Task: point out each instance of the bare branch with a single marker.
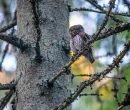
(6, 99)
(96, 5)
(14, 41)
(10, 25)
(3, 56)
(95, 78)
(7, 86)
(92, 94)
(8, 96)
(112, 3)
(91, 75)
(105, 55)
(96, 11)
(119, 28)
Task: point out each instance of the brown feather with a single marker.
(78, 40)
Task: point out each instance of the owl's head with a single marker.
(76, 29)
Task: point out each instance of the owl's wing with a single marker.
(88, 54)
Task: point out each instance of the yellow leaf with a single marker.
(106, 90)
(82, 66)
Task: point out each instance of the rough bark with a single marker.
(43, 24)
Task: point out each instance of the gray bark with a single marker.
(42, 23)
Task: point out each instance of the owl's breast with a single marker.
(76, 43)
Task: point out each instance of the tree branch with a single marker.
(6, 99)
(8, 96)
(14, 41)
(3, 56)
(10, 25)
(91, 75)
(112, 3)
(96, 11)
(95, 78)
(91, 94)
(119, 28)
(7, 86)
(96, 5)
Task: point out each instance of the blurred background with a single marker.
(104, 94)
(8, 61)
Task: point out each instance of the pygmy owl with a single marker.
(78, 40)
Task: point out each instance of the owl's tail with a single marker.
(89, 56)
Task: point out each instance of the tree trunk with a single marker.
(44, 25)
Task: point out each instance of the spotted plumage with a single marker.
(78, 40)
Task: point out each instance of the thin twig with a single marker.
(96, 5)
(8, 96)
(91, 94)
(96, 11)
(14, 41)
(91, 75)
(7, 27)
(3, 56)
(6, 99)
(119, 28)
(7, 86)
(112, 3)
